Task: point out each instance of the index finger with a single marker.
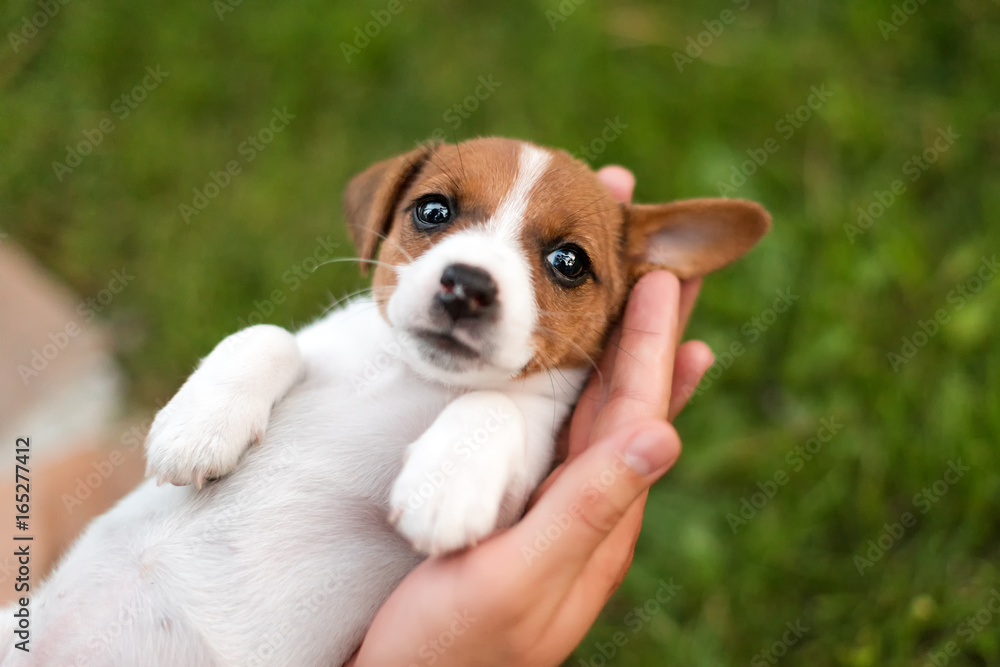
(639, 386)
(619, 181)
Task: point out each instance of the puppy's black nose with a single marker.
(467, 292)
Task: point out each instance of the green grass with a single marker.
(825, 357)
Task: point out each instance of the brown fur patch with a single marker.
(568, 204)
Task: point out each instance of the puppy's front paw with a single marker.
(203, 432)
(442, 503)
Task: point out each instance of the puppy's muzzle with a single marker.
(467, 293)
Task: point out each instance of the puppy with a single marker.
(415, 421)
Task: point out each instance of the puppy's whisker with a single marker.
(447, 173)
(345, 298)
(551, 366)
(585, 318)
(552, 383)
(399, 245)
(360, 260)
(589, 215)
(458, 148)
(572, 216)
(620, 348)
(365, 291)
(362, 310)
(589, 358)
(623, 350)
(643, 331)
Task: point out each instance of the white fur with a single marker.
(508, 220)
(507, 344)
(453, 484)
(493, 245)
(224, 407)
(286, 559)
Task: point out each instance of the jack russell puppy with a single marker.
(309, 473)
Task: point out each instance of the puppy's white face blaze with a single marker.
(500, 259)
(490, 344)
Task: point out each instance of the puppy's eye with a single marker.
(570, 264)
(431, 212)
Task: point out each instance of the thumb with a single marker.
(557, 537)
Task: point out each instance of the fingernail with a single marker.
(648, 451)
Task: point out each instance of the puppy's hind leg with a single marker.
(223, 407)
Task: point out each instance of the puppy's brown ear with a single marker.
(692, 237)
(371, 197)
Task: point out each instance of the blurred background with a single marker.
(171, 172)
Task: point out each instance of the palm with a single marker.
(493, 605)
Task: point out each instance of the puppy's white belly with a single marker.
(282, 563)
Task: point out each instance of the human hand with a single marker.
(506, 602)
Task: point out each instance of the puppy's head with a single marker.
(500, 258)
